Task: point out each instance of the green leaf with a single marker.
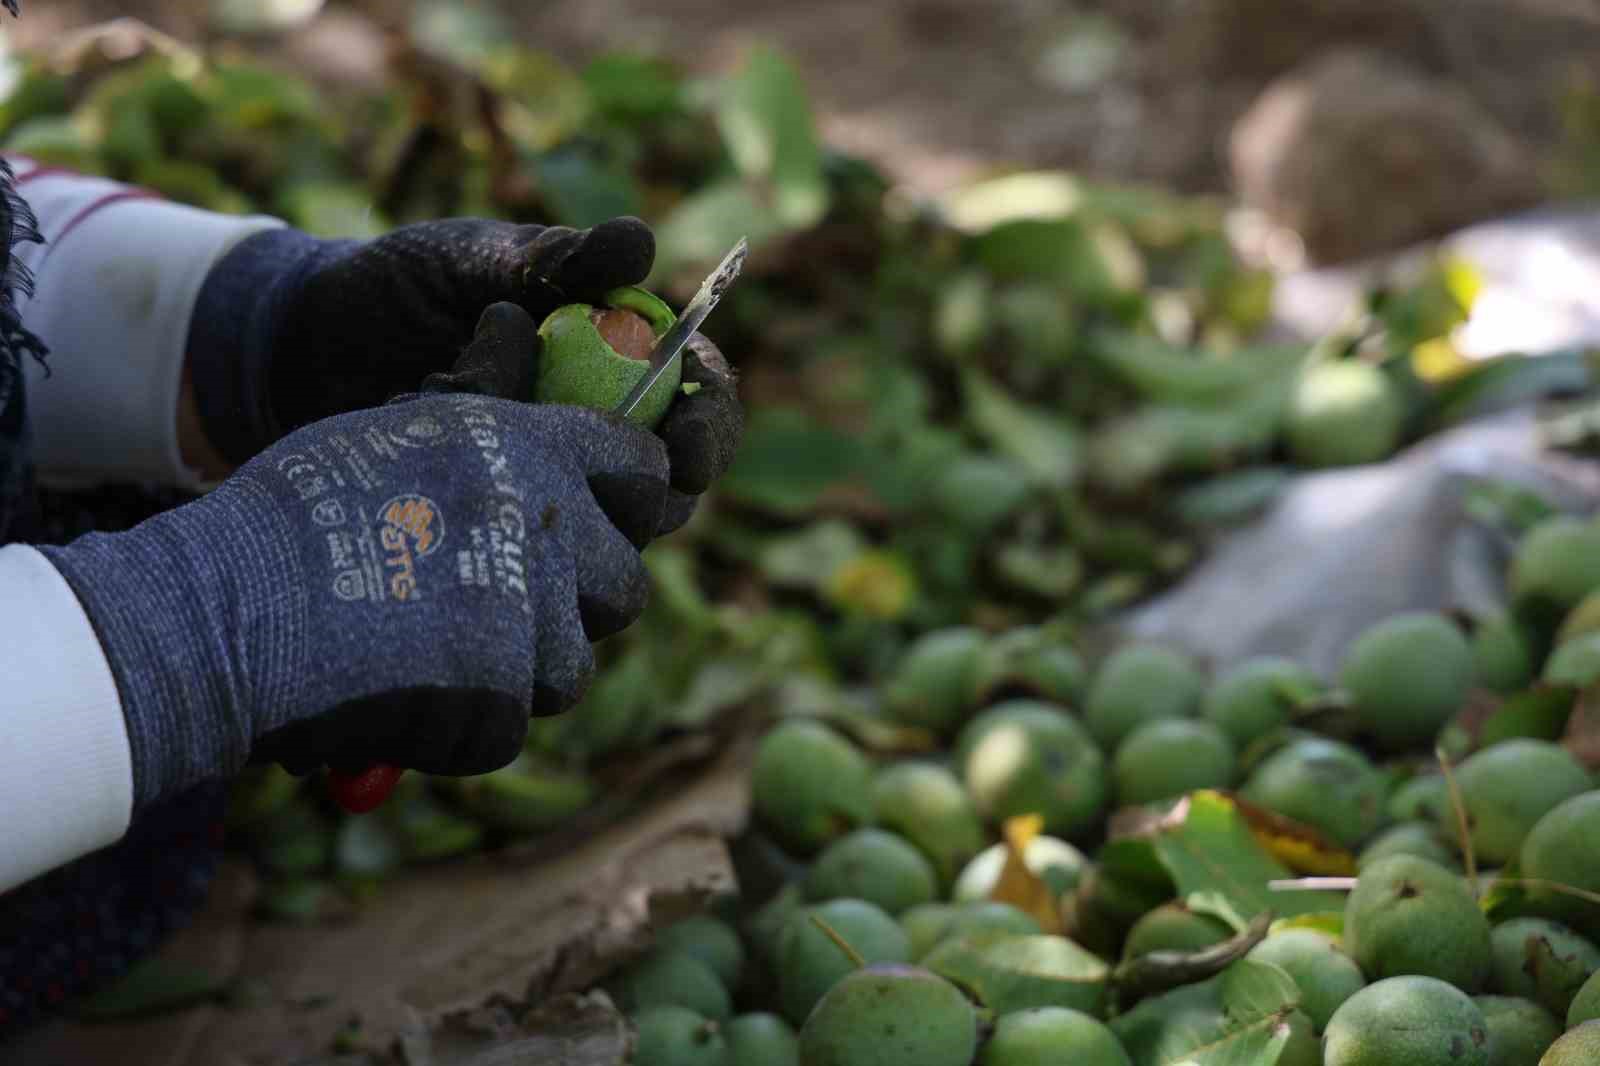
(1047, 447)
(1508, 381)
(634, 88)
(333, 209)
(718, 685)
(1238, 1018)
(1095, 262)
(1220, 868)
(1539, 713)
(786, 462)
(583, 191)
(1231, 498)
(808, 557)
(765, 117)
(705, 224)
(1164, 373)
(1010, 973)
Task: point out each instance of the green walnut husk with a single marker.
(577, 366)
(1344, 414)
(1174, 927)
(1507, 787)
(926, 804)
(1585, 1006)
(891, 1015)
(1325, 975)
(1026, 757)
(1411, 916)
(1407, 676)
(874, 865)
(1054, 861)
(761, 1039)
(1561, 849)
(677, 1036)
(1579, 1047)
(809, 962)
(1326, 784)
(709, 939)
(1419, 1021)
(1048, 1036)
(1541, 960)
(1520, 1031)
(673, 979)
(809, 785)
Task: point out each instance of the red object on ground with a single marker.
(366, 791)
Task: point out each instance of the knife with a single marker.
(367, 789)
(670, 347)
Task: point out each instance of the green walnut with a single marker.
(1326, 784)
(1578, 1047)
(1169, 757)
(926, 925)
(1520, 1031)
(1343, 414)
(1257, 696)
(761, 1039)
(1174, 927)
(593, 356)
(1140, 684)
(982, 917)
(1407, 676)
(926, 804)
(709, 939)
(1561, 850)
(809, 785)
(1325, 975)
(874, 865)
(1417, 1021)
(673, 979)
(935, 684)
(1576, 662)
(1541, 960)
(1023, 757)
(890, 1015)
(1421, 839)
(1507, 787)
(810, 962)
(1556, 565)
(1585, 1006)
(1049, 1036)
(1411, 916)
(1502, 654)
(677, 1036)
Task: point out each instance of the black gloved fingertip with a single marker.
(633, 502)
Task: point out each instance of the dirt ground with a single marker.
(936, 90)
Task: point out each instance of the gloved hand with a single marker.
(402, 585)
(289, 329)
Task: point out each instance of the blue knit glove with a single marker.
(400, 585)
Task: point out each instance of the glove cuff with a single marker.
(165, 605)
(238, 324)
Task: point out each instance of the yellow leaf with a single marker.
(1464, 281)
(1298, 846)
(1020, 886)
(1438, 359)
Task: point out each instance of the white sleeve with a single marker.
(115, 284)
(66, 771)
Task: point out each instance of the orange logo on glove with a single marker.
(412, 529)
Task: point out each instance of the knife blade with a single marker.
(670, 346)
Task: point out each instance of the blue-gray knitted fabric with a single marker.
(404, 584)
